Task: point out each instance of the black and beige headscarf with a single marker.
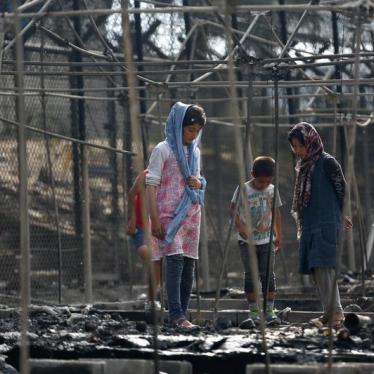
(304, 169)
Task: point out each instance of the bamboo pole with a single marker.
(63, 137)
(242, 178)
(350, 143)
(25, 267)
(188, 9)
(36, 16)
(242, 39)
(339, 57)
(2, 36)
(51, 176)
(139, 164)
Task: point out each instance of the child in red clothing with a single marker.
(135, 226)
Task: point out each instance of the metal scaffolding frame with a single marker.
(165, 75)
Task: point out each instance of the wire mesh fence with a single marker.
(66, 93)
(55, 186)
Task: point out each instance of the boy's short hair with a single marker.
(263, 166)
(194, 114)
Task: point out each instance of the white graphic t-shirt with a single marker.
(260, 209)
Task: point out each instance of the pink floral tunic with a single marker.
(186, 240)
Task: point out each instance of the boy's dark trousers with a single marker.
(262, 252)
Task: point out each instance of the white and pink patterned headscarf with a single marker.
(304, 168)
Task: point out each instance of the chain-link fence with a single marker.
(55, 179)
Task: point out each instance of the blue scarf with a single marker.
(187, 166)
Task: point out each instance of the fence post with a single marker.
(24, 229)
(87, 258)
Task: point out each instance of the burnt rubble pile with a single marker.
(86, 332)
(351, 283)
(123, 329)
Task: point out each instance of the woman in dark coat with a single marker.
(317, 208)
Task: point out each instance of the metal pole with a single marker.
(23, 198)
(361, 235)
(81, 134)
(208, 85)
(169, 76)
(35, 16)
(242, 177)
(242, 39)
(51, 176)
(139, 55)
(139, 162)
(351, 140)
(276, 177)
(187, 29)
(287, 41)
(284, 37)
(338, 59)
(225, 254)
(326, 89)
(349, 174)
(335, 129)
(67, 138)
(366, 169)
(126, 183)
(204, 251)
(82, 44)
(86, 223)
(248, 152)
(75, 166)
(190, 9)
(113, 161)
(2, 36)
(218, 195)
(338, 77)
(198, 299)
(83, 203)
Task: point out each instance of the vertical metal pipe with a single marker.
(335, 129)
(276, 177)
(113, 161)
(218, 187)
(142, 93)
(239, 75)
(364, 215)
(77, 114)
(349, 174)
(2, 37)
(85, 210)
(86, 223)
(75, 159)
(248, 152)
(79, 131)
(79, 78)
(187, 27)
(284, 38)
(126, 182)
(50, 171)
(139, 162)
(23, 198)
(366, 170)
(242, 176)
(338, 76)
(204, 254)
(291, 109)
(351, 138)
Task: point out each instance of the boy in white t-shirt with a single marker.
(258, 193)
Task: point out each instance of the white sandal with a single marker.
(182, 322)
